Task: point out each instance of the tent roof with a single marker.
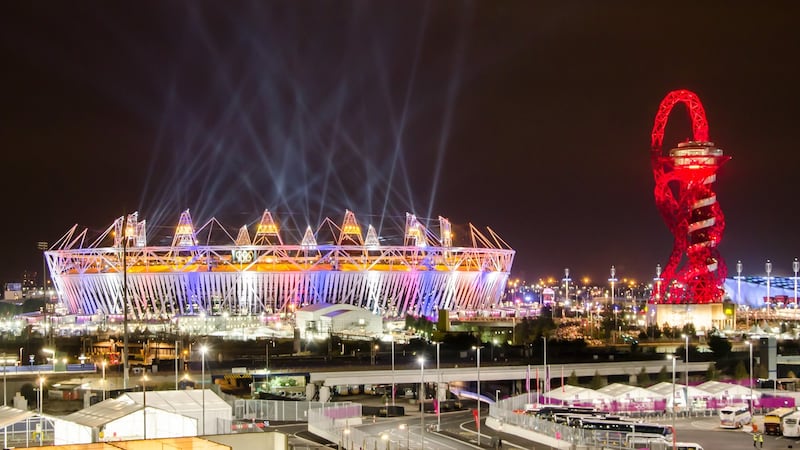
(10, 416)
(618, 390)
(717, 388)
(181, 401)
(569, 392)
(104, 412)
(665, 389)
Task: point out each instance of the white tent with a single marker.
(681, 393)
(191, 403)
(727, 391)
(622, 392)
(120, 419)
(10, 416)
(575, 394)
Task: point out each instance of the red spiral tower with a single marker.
(684, 179)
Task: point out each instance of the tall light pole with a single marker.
(438, 386)
(203, 387)
(403, 426)
(686, 370)
(42, 245)
(176, 365)
(104, 379)
(613, 280)
(421, 402)
(393, 383)
(546, 372)
(125, 362)
(750, 344)
(768, 269)
(674, 431)
(796, 268)
(567, 279)
(5, 403)
(144, 405)
(478, 361)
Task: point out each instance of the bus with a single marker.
(791, 425)
(617, 431)
(734, 416)
(773, 420)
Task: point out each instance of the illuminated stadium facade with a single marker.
(244, 276)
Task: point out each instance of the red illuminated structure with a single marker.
(695, 271)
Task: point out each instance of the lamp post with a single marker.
(438, 386)
(393, 387)
(478, 361)
(546, 372)
(144, 406)
(796, 268)
(750, 345)
(42, 245)
(203, 387)
(768, 269)
(385, 438)
(176, 365)
(686, 370)
(345, 437)
(421, 402)
(5, 403)
(613, 280)
(674, 432)
(567, 279)
(104, 379)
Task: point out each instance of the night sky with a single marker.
(532, 118)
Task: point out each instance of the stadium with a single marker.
(245, 276)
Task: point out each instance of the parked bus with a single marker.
(791, 425)
(773, 420)
(617, 431)
(734, 416)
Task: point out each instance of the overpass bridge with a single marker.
(498, 373)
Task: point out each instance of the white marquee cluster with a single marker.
(245, 276)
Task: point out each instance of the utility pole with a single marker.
(125, 366)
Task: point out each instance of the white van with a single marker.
(664, 444)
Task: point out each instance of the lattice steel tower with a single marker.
(684, 178)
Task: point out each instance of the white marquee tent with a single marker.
(681, 393)
(120, 419)
(575, 394)
(191, 403)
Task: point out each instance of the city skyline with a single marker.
(530, 118)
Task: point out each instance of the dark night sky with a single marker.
(530, 117)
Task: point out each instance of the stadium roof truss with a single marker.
(420, 277)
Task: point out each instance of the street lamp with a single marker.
(768, 269)
(477, 349)
(750, 345)
(104, 378)
(421, 402)
(796, 268)
(393, 388)
(613, 280)
(438, 386)
(674, 432)
(567, 279)
(144, 406)
(546, 373)
(345, 437)
(203, 350)
(686, 370)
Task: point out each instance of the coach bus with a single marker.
(734, 416)
(617, 431)
(773, 420)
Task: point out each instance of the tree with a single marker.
(719, 346)
(597, 381)
(740, 372)
(643, 378)
(573, 379)
(663, 375)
